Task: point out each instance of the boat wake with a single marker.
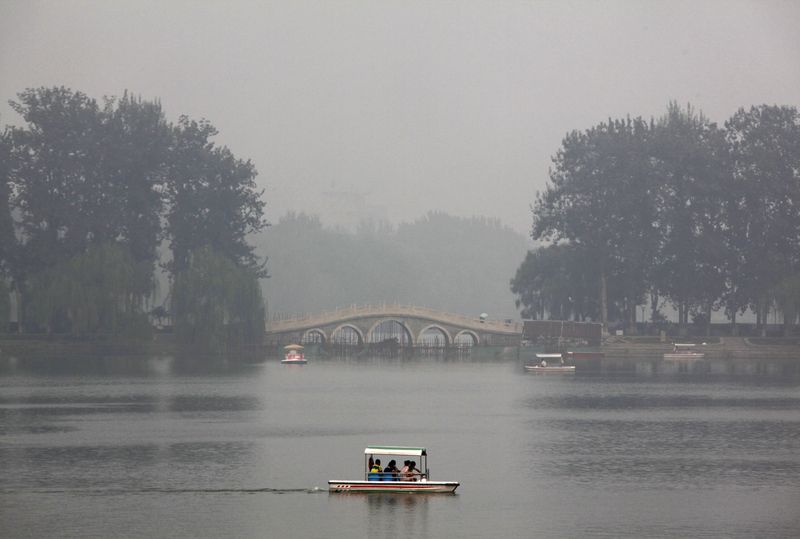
(158, 490)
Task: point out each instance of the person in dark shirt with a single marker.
(392, 469)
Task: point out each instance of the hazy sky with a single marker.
(455, 106)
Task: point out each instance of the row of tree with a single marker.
(450, 263)
(676, 209)
(90, 192)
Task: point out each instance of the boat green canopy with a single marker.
(395, 450)
(292, 347)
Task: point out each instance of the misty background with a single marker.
(370, 116)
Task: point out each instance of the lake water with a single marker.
(158, 448)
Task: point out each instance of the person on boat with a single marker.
(413, 473)
(376, 468)
(543, 363)
(392, 469)
(404, 471)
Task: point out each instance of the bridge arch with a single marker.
(466, 337)
(313, 336)
(428, 336)
(345, 333)
(390, 328)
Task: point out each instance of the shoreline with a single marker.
(618, 353)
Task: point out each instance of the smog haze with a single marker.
(405, 107)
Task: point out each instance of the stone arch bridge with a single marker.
(407, 325)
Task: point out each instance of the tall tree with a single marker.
(599, 199)
(693, 182)
(136, 143)
(88, 175)
(7, 238)
(57, 186)
(765, 218)
(212, 199)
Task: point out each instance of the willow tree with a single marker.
(556, 282)
(94, 292)
(217, 303)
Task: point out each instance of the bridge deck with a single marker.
(303, 322)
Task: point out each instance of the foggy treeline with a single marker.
(96, 197)
(674, 210)
(461, 265)
(92, 192)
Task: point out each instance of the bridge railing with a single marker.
(284, 322)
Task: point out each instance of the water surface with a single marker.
(158, 448)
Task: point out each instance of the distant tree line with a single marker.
(675, 209)
(89, 193)
(440, 261)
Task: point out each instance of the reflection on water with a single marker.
(397, 515)
(161, 447)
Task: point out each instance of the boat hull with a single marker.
(417, 487)
(294, 361)
(556, 369)
(684, 356)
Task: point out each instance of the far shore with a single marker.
(717, 348)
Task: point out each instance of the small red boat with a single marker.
(294, 355)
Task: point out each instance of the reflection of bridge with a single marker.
(404, 324)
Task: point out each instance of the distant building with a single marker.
(348, 209)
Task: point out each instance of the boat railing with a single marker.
(394, 476)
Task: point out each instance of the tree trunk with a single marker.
(20, 310)
(653, 306)
(734, 327)
(789, 315)
(603, 302)
(683, 316)
(632, 330)
(759, 321)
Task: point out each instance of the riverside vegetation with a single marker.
(97, 197)
(675, 209)
(91, 192)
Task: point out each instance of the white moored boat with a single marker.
(294, 355)
(549, 357)
(562, 369)
(544, 367)
(684, 352)
(416, 481)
